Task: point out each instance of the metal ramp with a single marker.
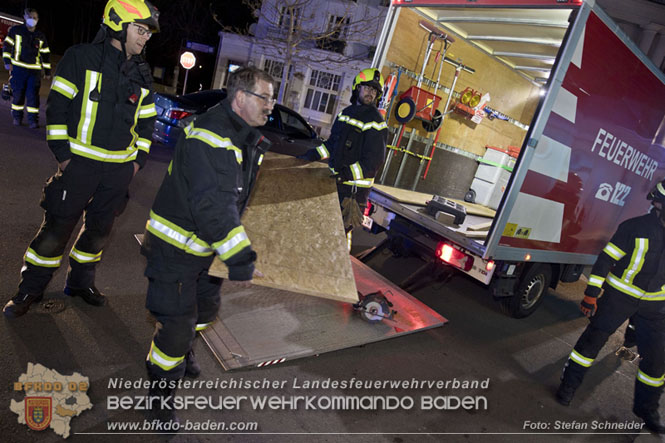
(260, 326)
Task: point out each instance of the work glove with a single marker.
(352, 215)
(588, 306)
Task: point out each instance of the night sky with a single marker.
(68, 22)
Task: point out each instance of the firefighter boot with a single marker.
(572, 377)
(645, 406)
(192, 368)
(161, 410)
(16, 121)
(20, 304)
(33, 125)
(91, 295)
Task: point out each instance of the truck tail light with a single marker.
(177, 114)
(368, 209)
(489, 266)
(454, 256)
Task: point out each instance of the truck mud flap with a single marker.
(261, 326)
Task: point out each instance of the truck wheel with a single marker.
(530, 291)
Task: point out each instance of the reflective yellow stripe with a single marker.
(655, 382)
(597, 281)
(56, 132)
(100, 154)
(45, 50)
(46, 262)
(143, 144)
(580, 359)
(362, 126)
(177, 236)
(634, 291)
(88, 107)
(17, 107)
(323, 152)
(46, 65)
(260, 160)
(636, 261)
(614, 251)
(202, 326)
(213, 140)
(135, 136)
(147, 110)
(64, 87)
(9, 39)
(159, 358)
(365, 183)
(32, 110)
(17, 48)
(85, 257)
(234, 242)
(26, 65)
(356, 171)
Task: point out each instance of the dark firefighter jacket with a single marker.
(106, 116)
(198, 206)
(26, 49)
(633, 262)
(356, 146)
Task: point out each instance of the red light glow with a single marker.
(177, 114)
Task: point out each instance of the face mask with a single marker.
(31, 22)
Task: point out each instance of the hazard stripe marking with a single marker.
(551, 159)
(271, 362)
(565, 105)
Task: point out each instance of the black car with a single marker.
(289, 133)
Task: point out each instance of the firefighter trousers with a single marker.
(184, 299)
(25, 85)
(95, 189)
(614, 308)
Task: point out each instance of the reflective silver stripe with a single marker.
(26, 65)
(231, 243)
(162, 360)
(360, 183)
(637, 260)
(614, 252)
(89, 108)
(357, 171)
(17, 107)
(624, 287)
(17, 48)
(185, 241)
(64, 88)
(202, 326)
(32, 110)
(580, 359)
(38, 260)
(656, 382)
(85, 257)
(594, 280)
(98, 153)
(142, 143)
(148, 111)
(323, 152)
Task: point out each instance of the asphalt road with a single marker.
(521, 359)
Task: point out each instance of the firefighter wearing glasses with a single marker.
(26, 53)
(356, 147)
(100, 114)
(630, 272)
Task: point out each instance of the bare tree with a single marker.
(291, 31)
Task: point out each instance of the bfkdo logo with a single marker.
(38, 412)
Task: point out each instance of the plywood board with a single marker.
(420, 198)
(295, 225)
(261, 326)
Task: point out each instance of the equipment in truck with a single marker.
(417, 102)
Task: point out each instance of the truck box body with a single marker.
(594, 146)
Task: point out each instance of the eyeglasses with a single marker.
(142, 31)
(268, 100)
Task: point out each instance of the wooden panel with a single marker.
(420, 199)
(295, 226)
(510, 93)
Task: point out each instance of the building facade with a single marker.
(313, 49)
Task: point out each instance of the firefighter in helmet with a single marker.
(26, 54)
(356, 147)
(630, 273)
(100, 114)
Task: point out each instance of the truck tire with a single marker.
(530, 291)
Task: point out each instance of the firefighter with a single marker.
(195, 217)
(630, 272)
(100, 115)
(356, 147)
(26, 53)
